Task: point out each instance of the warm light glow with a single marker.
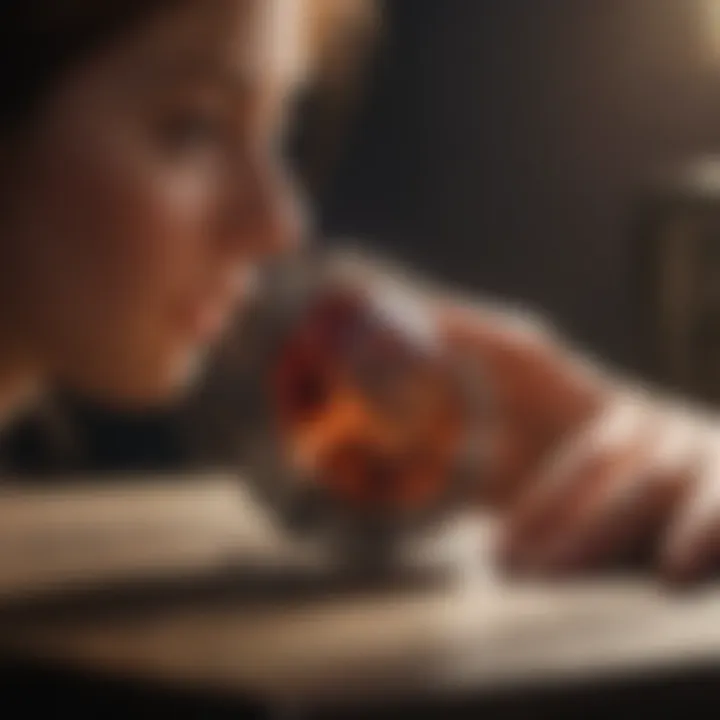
(710, 20)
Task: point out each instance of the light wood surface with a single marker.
(128, 528)
(471, 632)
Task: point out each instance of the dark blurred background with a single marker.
(504, 145)
(513, 147)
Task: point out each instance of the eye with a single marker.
(193, 130)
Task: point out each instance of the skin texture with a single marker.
(140, 200)
(541, 393)
(144, 196)
(591, 473)
(639, 484)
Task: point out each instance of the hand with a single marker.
(589, 473)
(640, 483)
(540, 393)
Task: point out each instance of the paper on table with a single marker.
(129, 529)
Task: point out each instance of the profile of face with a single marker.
(144, 194)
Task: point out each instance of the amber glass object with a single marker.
(370, 408)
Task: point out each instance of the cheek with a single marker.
(119, 243)
(124, 238)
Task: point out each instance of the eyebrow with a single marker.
(198, 70)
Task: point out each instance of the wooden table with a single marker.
(310, 642)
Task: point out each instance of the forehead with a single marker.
(257, 40)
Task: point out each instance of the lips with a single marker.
(208, 322)
(205, 320)
(206, 315)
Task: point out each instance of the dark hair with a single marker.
(41, 39)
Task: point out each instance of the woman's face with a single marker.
(145, 194)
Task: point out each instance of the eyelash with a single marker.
(198, 131)
(193, 130)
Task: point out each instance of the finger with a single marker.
(568, 541)
(572, 477)
(692, 546)
(622, 523)
(633, 505)
(540, 523)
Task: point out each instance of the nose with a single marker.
(269, 217)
